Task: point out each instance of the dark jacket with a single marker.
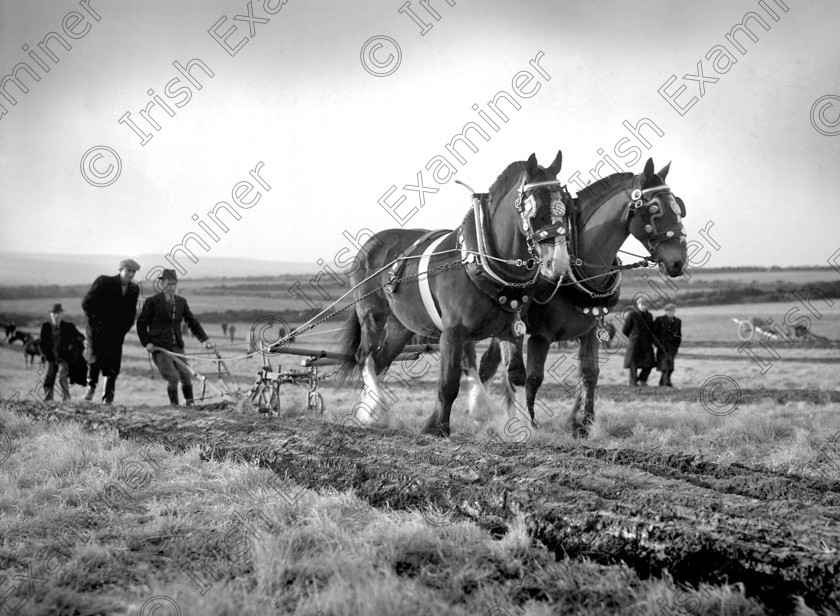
(639, 331)
(71, 341)
(109, 312)
(161, 326)
(668, 336)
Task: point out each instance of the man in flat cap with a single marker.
(667, 330)
(159, 330)
(60, 342)
(110, 306)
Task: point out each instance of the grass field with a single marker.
(328, 552)
(336, 551)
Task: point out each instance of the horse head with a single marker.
(655, 219)
(530, 199)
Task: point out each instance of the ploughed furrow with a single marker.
(608, 506)
(691, 395)
(750, 481)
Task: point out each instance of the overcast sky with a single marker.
(756, 154)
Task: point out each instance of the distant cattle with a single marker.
(31, 350)
(31, 346)
(24, 337)
(10, 330)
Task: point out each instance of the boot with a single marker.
(89, 392)
(188, 394)
(110, 386)
(173, 395)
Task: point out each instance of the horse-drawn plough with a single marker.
(264, 394)
(765, 329)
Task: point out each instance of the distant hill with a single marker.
(47, 269)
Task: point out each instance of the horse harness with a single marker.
(511, 293)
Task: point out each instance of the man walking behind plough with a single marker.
(159, 329)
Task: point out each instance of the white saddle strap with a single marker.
(423, 283)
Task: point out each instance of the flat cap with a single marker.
(57, 308)
(670, 306)
(129, 264)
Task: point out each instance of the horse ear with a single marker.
(647, 174)
(554, 168)
(532, 166)
(663, 173)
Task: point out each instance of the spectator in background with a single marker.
(667, 331)
(224, 329)
(159, 330)
(59, 342)
(232, 330)
(110, 307)
(639, 357)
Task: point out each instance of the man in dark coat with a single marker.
(110, 306)
(639, 356)
(60, 343)
(667, 330)
(159, 329)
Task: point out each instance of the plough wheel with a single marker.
(266, 399)
(315, 402)
(745, 331)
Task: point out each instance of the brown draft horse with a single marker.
(607, 212)
(463, 285)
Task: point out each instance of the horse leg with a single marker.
(377, 398)
(396, 337)
(451, 351)
(511, 358)
(515, 364)
(583, 411)
(490, 361)
(372, 409)
(538, 347)
(478, 400)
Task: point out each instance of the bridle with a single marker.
(649, 203)
(646, 203)
(526, 205)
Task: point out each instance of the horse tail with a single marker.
(509, 391)
(351, 338)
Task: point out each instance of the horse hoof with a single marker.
(437, 429)
(578, 430)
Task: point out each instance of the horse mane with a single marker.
(598, 193)
(506, 177)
